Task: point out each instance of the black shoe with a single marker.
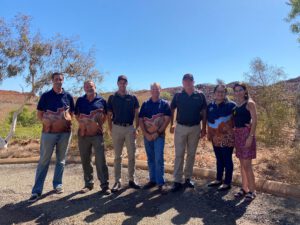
(224, 187)
(116, 187)
(214, 183)
(105, 191)
(85, 190)
(149, 185)
(176, 187)
(34, 197)
(134, 185)
(188, 183)
(163, 189)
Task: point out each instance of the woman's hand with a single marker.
(249, 142)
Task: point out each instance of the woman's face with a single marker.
(220, 94)
(239, 92)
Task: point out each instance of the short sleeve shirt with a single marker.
(122, 107)
(189, 107)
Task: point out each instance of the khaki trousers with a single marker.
(121, 135)
(186, 139)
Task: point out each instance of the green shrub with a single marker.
(166, 95)
(26, 118)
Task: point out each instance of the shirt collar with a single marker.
(63, 91)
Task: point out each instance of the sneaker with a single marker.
(214, 183)
(188, 183)
(134, 185)
(34, 197)
(85, 190)
(105, 191)
(59, 190)
(224, 187)
(116, 187)
(176, 187)
(149, 185)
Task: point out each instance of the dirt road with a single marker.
(130, 207)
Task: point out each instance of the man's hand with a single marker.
(172, 129)
(155, 136)
(148, 137)
(135, 133)
(203, 133)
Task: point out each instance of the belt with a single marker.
(123, 124)
(188, 124)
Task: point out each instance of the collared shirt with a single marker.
(84, 106)
(53, 101)
(57, 108)
(220, 123)
(90, 115)
(189, 107)
(122, 107)
(153, 114)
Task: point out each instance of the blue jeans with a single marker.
(155, 156)
(48, 141)
(224, 161)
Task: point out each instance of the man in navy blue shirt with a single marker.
(90, 111)
(55, 110)
(191, 110)
(154, 118)
(123, 109)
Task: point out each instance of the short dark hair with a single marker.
(56, 74)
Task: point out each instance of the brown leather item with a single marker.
(152, 125)
(91, 125)
(57, 122)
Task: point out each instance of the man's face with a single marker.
(155, 91)
(188, 84)
(89, 88)
(122, 84)
(58, 81)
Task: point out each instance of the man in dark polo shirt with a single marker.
(122, 110)
(55, 110)
(191, 109)
(90, 111)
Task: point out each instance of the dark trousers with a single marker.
(224, 162)
(85, 145)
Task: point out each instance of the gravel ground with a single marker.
(130, 207)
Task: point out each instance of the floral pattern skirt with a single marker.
(240, 137)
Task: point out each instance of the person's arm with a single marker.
(163, 127)
(173, 107)
(40, 115)
(252, 109)
(204, 122)
(109, 117)
(144, 131)
(136, 118)
(109, 120)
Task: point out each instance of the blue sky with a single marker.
(160, 40)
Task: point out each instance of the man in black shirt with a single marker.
(122, 110)
(191, 110)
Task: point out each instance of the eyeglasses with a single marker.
(239, 90)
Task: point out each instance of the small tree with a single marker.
(28, 54)
(271, 100)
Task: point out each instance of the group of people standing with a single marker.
(230, 125)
